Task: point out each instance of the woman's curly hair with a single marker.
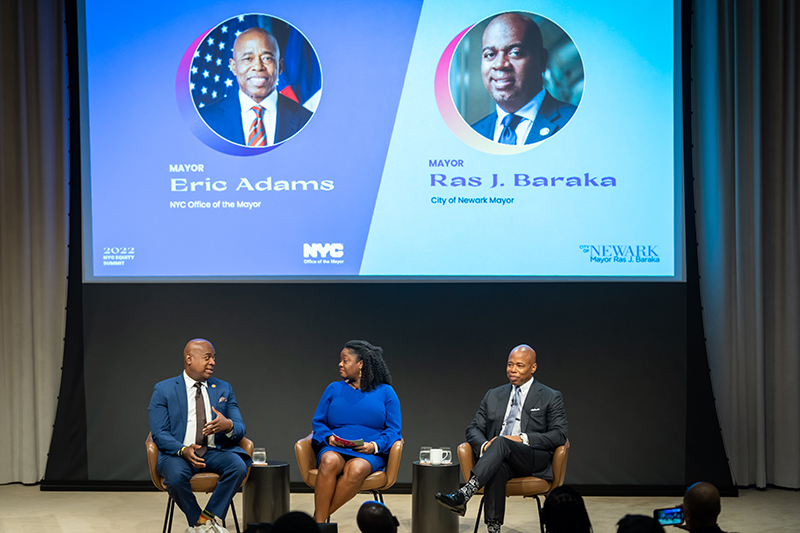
(374, 370)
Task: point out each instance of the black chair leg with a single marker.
(377, 496)
(480, 509)
(235, 519)
(539, 505)
(168, 515)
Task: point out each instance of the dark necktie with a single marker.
(258, 133)
(508, 135)
(512, 413)
(200, 415)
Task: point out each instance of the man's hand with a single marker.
(191, 458)
(220, 423)
(368, 448)
(515, 438)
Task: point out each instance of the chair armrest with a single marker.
(466, 458)
(306, 461)
(560, 465)
(152, 461)
(393, 462)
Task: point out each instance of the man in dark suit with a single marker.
(513, 59)
(196, 425)
(257, 114)
(514, 433)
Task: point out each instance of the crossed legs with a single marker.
(338, 481)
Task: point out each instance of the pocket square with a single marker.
(222, 399)
(535, 409)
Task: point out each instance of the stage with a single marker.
(27, 509)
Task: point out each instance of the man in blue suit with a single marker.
(257, 114)
(196, 425)
(513, 59)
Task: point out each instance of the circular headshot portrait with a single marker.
(254, 81)
(514, 80)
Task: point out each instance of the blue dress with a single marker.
(352, 414)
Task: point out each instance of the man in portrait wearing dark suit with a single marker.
(257, 114)
(514, 433)
(196, 425)
(513, 59)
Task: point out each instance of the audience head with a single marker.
(701, 505)
(637, 523)
(295, 522)
(565, 512)
(373, 368)
(374, 517)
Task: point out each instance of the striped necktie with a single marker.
(258, 133)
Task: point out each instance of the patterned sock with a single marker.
(205, 516)
(470, 488)
(492, 526)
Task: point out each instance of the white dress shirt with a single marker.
(191, 419)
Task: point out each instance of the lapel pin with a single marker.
(544, 131)
(213, 386)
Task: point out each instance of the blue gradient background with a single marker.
(376, 127)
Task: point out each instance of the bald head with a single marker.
(521, 365)
(513, 59)
(256, 63)
(701, 505)
(199, 359)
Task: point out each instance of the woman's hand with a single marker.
(368, 448)
(332, 441)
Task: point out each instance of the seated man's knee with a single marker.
(240, 468)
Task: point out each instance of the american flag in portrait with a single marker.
(210, 78)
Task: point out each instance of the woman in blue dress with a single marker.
(363, 406)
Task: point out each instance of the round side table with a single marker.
(428, 515)
(266, 493)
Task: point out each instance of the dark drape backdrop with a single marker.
(746, 149)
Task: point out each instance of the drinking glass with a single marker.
(259, 456)
(425, 455)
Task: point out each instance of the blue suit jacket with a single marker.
(552, 116)
(225, 118)
(169, 410)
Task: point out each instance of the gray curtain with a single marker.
(747, 187)
(33, 231)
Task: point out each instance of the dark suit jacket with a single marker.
(543, 419)
(225, 118)
(168, 412)
(553, 114)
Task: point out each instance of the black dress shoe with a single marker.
(455, 501)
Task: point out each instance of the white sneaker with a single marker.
(191, 530)
(218, 525)
(208, 527)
